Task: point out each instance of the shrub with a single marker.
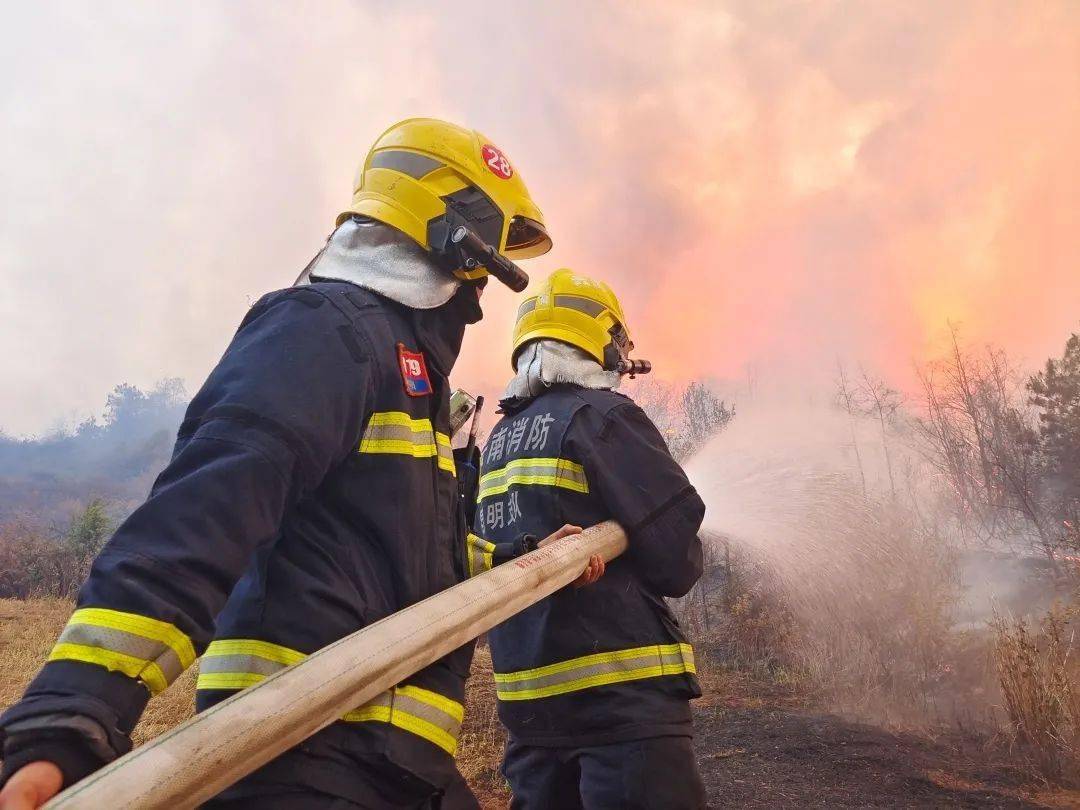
(1040, 687)
(39, 562)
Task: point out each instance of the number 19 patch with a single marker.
(413, 372)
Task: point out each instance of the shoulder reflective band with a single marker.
(239, 663)
(480, 554)
(600, 669)
(398, 433)
(151, 650)
(550, 472)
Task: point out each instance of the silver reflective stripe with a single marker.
(422, 712)
(237, 663)
(599, 669)
(124, 643)
(409, 163)
(425, 711)
(446, 453)
(551, 472)
(397, 433)
(586, 305)
(527, 306)
(252, 664)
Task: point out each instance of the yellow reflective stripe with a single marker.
(441, 727)
(433, 699)
(146, 671)
(151, 650)
(366, 713)
(234, 664)
(397, 433)
(237, 663)
(422, 728)
(144, 626)
(400, 419)
(228, 680)
(551, 472)
(262, 649)
(592, 680)
(599, 669)
(480, 554)
(406, 721)
(589, 660)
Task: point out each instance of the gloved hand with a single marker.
(47, 751)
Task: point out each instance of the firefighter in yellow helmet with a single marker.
(312, 491)
(593, 684)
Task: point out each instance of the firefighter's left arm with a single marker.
(627, 463)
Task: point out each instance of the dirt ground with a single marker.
(758, 746)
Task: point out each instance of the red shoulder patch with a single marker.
(413, 372)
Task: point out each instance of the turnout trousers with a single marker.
(658, 773)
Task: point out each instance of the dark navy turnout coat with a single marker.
(604, 663)
(311, 492)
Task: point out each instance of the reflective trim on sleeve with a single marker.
(599, 669)
(550, 472)
(480, 554)
(397, 433)
(422, 712)
(239, 663)
(153, 651)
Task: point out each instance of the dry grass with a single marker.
(29, 628)
(27, 632)
(1040, 685)
(483, 737)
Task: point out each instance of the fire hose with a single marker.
(198, 759)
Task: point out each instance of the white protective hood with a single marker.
(545, 362)
(382, 259)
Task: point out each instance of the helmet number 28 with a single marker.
(497, 162)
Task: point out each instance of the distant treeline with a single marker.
(46, 481)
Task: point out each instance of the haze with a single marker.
(768, 185)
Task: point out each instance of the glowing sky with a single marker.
(768, 184)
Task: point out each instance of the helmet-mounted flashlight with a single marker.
(623, 346)
(478, 253)
(633, 367)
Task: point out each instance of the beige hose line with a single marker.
(199, 758)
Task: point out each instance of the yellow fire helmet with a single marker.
(454, 192)
(580, 311)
